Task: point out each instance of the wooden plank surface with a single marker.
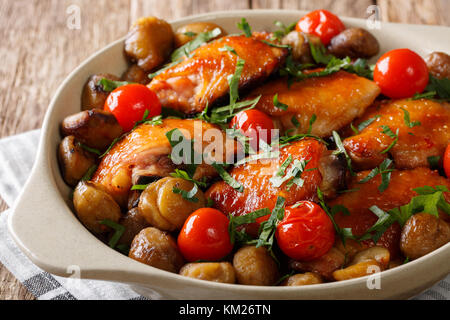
(38, 50)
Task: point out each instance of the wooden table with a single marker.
(38, 50)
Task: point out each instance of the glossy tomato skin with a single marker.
(401, 73)
(306, 232)
(252, 123)
(321, 23)
(205, 236)
(447, 161)
(129, 102)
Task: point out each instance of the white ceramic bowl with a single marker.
(45, 228)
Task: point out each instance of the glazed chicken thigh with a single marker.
(201, 79)
(399, 192)
(260, 190)
(336, 100)
(145, 152)
(427, 135)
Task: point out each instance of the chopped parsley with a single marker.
(228, 48)
(118, 231)
(387, 131)
(201, 38)
(433, 161)
(139, 187)
(236, 221)
(89, 149)
(245, 27)
(429, 200)
(343, 233)
(89, 173)
(228, 178)
(341, 151)
(184, 175)
(187, 195)
(283, 30)
(311, 122)
(110, 85)
(406, 118)
(188, 158)
(279, 104)
(385, 173)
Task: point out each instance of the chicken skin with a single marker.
(260, 192)
(202, 79)
(145, 152)
(399, 192)
(427, 135)
(336, 100)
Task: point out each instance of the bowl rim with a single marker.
(40, 169)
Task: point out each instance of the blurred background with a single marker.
(42, 41)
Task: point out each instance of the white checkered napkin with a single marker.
(17, 154)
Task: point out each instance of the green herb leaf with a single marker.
(228, 48)
(164, 68)
(311, 122)
(110, 85)
(284, 30)
(187, 195)
(111, 146)
(387, 131)
(367, 122)
(245, 27)
(139, 187)
(279, 104)
(228, 178)
(425, 95)
(268, 227)
(233, 81)
(236, 221)
(190, 34)
(341, 150)
(295, 121)
(407, 119)
(282, 46)
(88, 175)
(89, 149)
(201, 38)
(118, 228)
(440, 86)
(343, 233)
(385, 172)
(433, 161)
(184, 175)
(191, 157)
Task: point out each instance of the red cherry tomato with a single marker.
(205, 236)
(447, 161)
(321, 23)
(128, 104)
(254, 124)
(306, 232)
(401, 73)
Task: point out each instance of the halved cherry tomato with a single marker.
(254, 124)
(447, 161)
(128, 104)
(401, 73)
(205, 236)
(321, 23)
(306, 232)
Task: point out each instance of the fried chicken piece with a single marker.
(145, 150)
(336, 100)
(260, 192)
(414, 145)
(399, 192)
(202, 79)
